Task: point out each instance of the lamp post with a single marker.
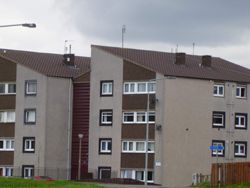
(80, 136)
(30, 25)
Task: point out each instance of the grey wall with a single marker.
(185, 112)
(105, 67)
(54, 95)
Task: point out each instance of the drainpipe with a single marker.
(69, 131)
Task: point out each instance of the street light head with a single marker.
(80, 136)
(30, 25)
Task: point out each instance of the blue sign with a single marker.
(216, 147)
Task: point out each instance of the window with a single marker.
(104, 172)
(6, 144)
(136, 174)
(219, 119)
(7, 117)
(241, 91)
(6, 171)
(105, 146)
(106, 117)
(30, 116)
(240, 121)
(30, 87)
(106, 88)
(28, 144)
(7, 88)
(240, 149)
(139, 87)
(137, 146)
(219, 153)
(138, 117)
(219, 90)
(28, 171)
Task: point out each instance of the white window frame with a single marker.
(5, 115)
(7, 142)
(219, 115)
(6, 88)
(239, 87)
(104, 115)
(28, 143)
(106, 149)
(132, 172)
(30, 171)
(136, 90)
(27, 83)
(134, 148)
(242, 121)
(237, 152)
(7, 171)
(218, 86)
(109, 86)
(135, 117)
(26, 113)
(218, 152)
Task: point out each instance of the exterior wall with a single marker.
(38, 130)
(105, 67)
(53, 122)
(58, 127)
(185, 112)
(81, 99)
(7, 102)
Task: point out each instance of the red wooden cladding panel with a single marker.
(80, 125)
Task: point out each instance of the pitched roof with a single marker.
(163, 62)
(47, 63)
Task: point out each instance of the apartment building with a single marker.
(37, 128)
(194, 102)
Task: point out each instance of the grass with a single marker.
(23, 183)
(242, 185)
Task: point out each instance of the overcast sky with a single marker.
(217, 27)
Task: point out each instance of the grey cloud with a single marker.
(207, 22)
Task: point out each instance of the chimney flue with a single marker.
(206, 61)
(180, 58)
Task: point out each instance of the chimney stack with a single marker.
(69, 59)
(206, 61)
(180, 58)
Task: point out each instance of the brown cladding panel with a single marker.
(7, 71)
(132, 72)
(134, 102)
(81, 97)
(7, 129)
(136, 160)
(7, 102)
(83, 78)
(6, 158)
(137, 131)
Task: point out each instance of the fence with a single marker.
(230, 173)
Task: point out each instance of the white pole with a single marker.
(147, 130)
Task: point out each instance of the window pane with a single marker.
(30, 116)
(237, 91)
(109, 146)
(150, 176)
(221, 90)
(128, 117)
(10, 116)
(130, 146)
(151, 87)
(139, 175)
(140, 146)
(151, 117)
(1, 144)
(243, 92)
(215, 89)
(1, 116)
(151, 146)
(132, 87)
(2, 88)
(141, 87)
(103, 145)
(141, 117)
(11, 88)
(125, 146)
(126, 88)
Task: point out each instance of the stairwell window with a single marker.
(241, 91)
(105, 146)
(30, 87)
(27, 171)
(240, 149)
(28, 144)
(240, 121)
(106, 117)
(30, 116)
(219, 90)
(219, 153)
(107, 88)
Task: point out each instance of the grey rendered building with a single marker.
(195, 102)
